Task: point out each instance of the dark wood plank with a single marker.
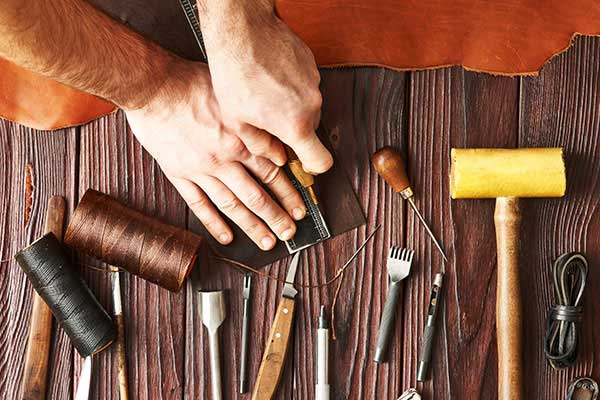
(113, 162)
(562, 108)
(452, 108)
(369, 105)
(51, 157)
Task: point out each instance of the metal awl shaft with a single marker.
(435, 242)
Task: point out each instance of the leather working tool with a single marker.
(84, 385)
(245, 322)
(35, 371)
(120, 342)
(507, 175)
(389, 164)
(569, 274)
(429, 330)
(399, 262)
(273, 361)
(583, 389)
(322, 388)
(212, 306)
(410, 394)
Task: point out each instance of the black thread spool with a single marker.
(56, 280)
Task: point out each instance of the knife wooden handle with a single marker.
(35, 372)
(275, 354)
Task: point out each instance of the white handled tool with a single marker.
(322, 389)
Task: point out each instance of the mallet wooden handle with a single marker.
(507, 219)
(35, 372)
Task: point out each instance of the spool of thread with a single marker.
(104, 228)
(56, 280)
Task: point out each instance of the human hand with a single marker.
(208, 163)
(266, 81)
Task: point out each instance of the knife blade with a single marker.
(274, 357)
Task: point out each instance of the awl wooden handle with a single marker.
(391, 166)
(35, 372)
(508, 300)
(273, 361)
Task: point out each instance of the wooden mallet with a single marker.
(507, 175)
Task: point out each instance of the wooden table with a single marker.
(422, 113)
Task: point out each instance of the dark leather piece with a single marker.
(339, 205)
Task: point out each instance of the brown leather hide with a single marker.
(501, 37)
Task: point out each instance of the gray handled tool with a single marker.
(429, 330)
(244, 351)
(213, 315)
(398, 265)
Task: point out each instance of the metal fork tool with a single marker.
(398, 265)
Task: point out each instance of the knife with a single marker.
(276, 351)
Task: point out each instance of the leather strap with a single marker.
(569, 274)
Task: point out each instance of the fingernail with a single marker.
(287, 234)
(298, 213)
(267, 242)
(224, 238)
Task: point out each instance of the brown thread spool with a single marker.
(57, 281)
(103, 227)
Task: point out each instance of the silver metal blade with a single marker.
(85, 380)
(435, 242)
(246, 289)
(288, 289)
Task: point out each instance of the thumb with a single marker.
(313, 155)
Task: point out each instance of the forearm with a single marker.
(227, 22)
(74, 43)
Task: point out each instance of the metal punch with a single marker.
(410, 394)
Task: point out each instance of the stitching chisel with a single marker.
(276, 351)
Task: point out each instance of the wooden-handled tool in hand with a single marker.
(276, 351)
(507, 175)
(35, 373)
(389, 164)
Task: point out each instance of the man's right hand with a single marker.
(208, 163)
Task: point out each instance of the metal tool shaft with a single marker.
(435, 242)
(215, 366)
(213, 315)
(245, 323)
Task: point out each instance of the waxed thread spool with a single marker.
(106, 229)
(58, 282)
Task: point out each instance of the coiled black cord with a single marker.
(569, 274)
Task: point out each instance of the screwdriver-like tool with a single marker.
(389, 164)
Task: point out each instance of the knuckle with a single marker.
(256, 200)
(279, 220)
(271, 175)
(229, 205)
(198, 203)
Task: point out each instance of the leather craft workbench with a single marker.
(422, 113)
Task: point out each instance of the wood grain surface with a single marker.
(423, 115)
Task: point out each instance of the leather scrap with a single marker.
(507, 37)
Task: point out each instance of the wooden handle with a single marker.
(389, 164)
(508, 299)
(305, 179)
(35, 372)
(275, 354)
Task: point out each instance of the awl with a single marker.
(276, 351)
(389, 164)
